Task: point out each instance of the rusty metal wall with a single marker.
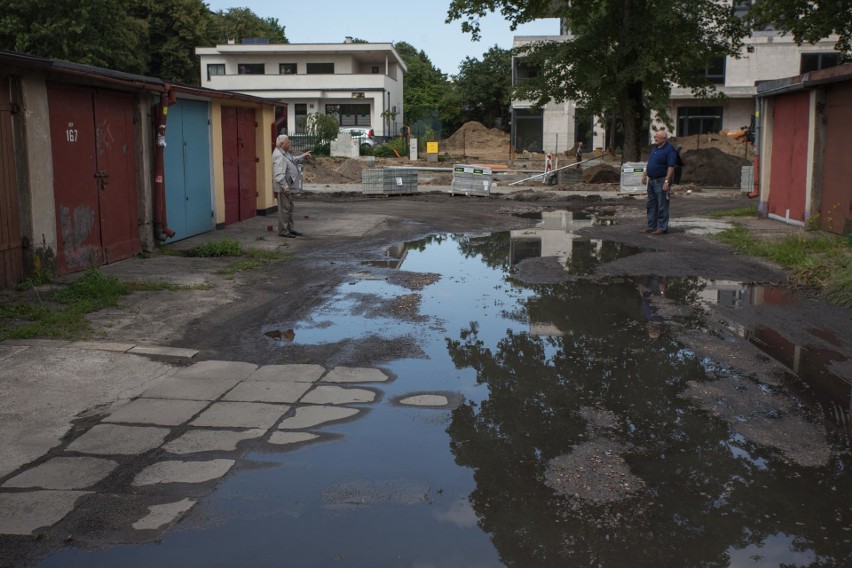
(11, 254)
(836, 203)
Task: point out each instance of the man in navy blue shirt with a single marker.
(659, 175)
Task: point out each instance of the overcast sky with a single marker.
(418, 22)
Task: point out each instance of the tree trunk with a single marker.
(633, 117)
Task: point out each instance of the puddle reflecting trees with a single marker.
(704, 492)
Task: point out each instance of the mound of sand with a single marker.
(711, 167)
(474, 139)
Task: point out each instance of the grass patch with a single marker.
(61, 313)
(750, 211)
(222, 247)
(254, 259)
(823, 263)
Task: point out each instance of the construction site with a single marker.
(712, 161)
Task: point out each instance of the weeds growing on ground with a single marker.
(750, 211)
(823, 263)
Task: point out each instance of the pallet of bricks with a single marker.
(389, 181)
(471, 180)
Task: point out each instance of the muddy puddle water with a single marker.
(576, 432)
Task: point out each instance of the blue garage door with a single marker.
(189, 194)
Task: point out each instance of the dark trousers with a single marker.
(658, 206)
(285, 212)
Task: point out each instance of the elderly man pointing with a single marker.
(286, 178)
(659, 175)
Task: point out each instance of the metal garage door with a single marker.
(11, 257)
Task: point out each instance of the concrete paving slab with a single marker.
(43, 390)
(241, 415)
(102, 346)
(23, 513)
(268, 391)
(183, 472)
(10, 350)
(116, 439)
(176, 388)
(195, 441)
(163, 351)
(309, 416)
(162, 515)
(355, 375)
(158, 411)
(64, 473)
(286, 438)
(425, 400)
(217, 370)
(328, 394)
(291, 373)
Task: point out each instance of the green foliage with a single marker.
(623, 57)
(820, 262)
(484, 87)
(96, 32)
(61, 313)
(242, 23)
(750, 211)
(322, 126)
(222, 247)
(808, 21)
(424, 83)
(386, 150)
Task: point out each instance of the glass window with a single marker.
(215, 69)
(286, 68)
(524, 71)
(715, 71)
(320, 68)
(698, 120)
(350, 115)
(250, 68)
(816, 61)
(301, 111)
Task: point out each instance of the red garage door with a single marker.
(789, 156)
(94, 173)
(11, 257)
(239, 163)
(836, 203)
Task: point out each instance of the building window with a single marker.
(286, 68)
(816, 61)
(529, 129)
(698, 120)
(715, 70)
(215, 69)
(320, 68)
(524, 71)
(301, 117)
(375, 68)
(350, 115)
(250, 68)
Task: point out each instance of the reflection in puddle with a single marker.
(573, 442)
(554, 237)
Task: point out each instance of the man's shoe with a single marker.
(296, 233)
(644, 230)
(659, 232)
(287, 235)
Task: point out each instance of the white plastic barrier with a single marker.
(631, 177)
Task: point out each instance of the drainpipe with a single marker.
(755, 136)
(161, 226)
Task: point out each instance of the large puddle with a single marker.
(579, 433)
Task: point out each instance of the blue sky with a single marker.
(418, 22)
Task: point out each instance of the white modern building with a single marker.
(766, 55)
(361, 84)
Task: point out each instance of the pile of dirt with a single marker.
(475, 139)
(711, 167)
(334, 170)
(602, 173)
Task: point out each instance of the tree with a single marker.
(485, 87)
(241, 23)
(623, 56)
(808, 21)
(97, 32)
(424, 83)
(174, 30)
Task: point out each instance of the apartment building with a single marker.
(766, 55)
(360, 84)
